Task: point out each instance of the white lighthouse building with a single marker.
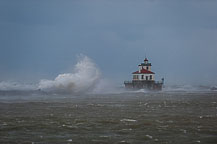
(144, 73)
(144, 78)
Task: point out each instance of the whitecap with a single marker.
(128, 120)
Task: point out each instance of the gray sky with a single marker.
(41, 38)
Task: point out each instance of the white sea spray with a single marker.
(84, 77)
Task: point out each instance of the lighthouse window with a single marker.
(147, 68)
(146, 77)
(142, 77)
(134, 77)
(150, 77)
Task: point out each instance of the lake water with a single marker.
(134, 118)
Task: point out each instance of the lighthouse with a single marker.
(144, 72)
(144, 78)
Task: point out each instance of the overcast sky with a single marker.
(41, 38)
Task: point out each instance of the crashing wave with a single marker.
(84, 78)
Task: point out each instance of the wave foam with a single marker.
(84, 78)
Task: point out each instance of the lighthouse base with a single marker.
(144, 84)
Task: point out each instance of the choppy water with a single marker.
(164, 118)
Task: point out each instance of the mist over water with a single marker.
(86, 77)
(9, 85)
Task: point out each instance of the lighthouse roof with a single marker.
(143, 71)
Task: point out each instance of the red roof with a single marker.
(146, 59)
(143, 71)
